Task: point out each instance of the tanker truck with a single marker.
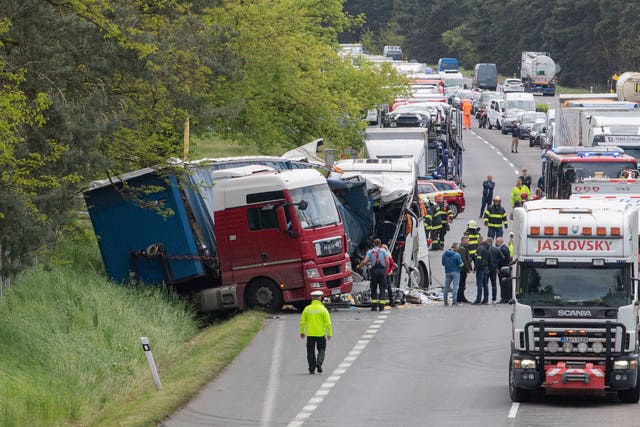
(628, 87)
(538, 72)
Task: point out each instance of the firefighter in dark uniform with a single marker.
(443, 215)
(436, 226)
(426, 215)
(378, 257)
(473, 233)
(495, 217)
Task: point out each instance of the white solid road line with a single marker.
(273, 383)
(514, 410)
(331, 381)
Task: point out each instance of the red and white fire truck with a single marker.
(566, 166)
(575, 316)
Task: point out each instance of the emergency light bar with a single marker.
(599, 154)
(550, 230)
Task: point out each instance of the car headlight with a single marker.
(553, 346)
(621, 364)
(528, 364)
(312, 273)
(597, 347)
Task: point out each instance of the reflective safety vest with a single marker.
(495, 216)
(473, 234)
(441, 216)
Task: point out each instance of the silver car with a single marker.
(513, 85)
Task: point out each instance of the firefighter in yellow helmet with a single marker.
(473, 233)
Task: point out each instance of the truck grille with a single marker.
(330, 271)
(572, 340)
(334, 283)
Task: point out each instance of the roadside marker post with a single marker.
(152, 364)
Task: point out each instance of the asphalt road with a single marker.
(419, 365)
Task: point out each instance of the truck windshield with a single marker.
(577, 172)
(321, 210)
(579, 285)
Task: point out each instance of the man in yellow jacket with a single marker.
(315, 323)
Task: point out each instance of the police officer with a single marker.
(378, 257)
(495, 217)
(315, 323)
(473, 233)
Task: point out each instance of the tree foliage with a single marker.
(96, 88)
(591, 39)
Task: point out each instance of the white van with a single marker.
(520, 101)
(495, 114)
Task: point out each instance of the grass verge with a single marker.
(70, 350)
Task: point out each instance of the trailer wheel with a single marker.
(517, 394)
(263, 294)
(633, 394)
(425, 277)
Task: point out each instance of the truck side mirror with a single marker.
(302, 205)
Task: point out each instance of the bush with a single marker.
(542, 108)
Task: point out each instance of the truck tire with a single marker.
(517, 394)
(633, 394)
(425, 277)
(263, 294)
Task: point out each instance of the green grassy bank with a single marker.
(70, 351)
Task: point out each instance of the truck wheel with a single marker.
(517, 394)
(498, 125)
(300, 305)
(424, 277)
(454, 209)
(263, 294)
(633, 394)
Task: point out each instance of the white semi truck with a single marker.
(575, 313)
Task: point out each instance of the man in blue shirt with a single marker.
(452, 262)
(378, 257)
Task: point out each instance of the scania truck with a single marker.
(575, 312)
(229, 239)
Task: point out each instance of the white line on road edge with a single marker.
(514, 410)
(274, 378)
(332, 380)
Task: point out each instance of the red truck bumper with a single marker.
(560, 378)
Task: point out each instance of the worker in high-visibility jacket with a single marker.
(315, 323)
(440, 223)
(495, 218)
(427, 217)
(434, 228)
(473, 233)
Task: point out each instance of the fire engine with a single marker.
(569, 165)
(575, 314)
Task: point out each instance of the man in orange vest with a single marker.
(466, 109)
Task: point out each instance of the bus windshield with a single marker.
(575, 285)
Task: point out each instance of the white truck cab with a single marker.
(575, 313)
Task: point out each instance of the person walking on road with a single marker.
(463, 250)
(466, 110)
(482, 271)
(516, 192)
(526, 179)
(515, 136)
(389, 271)
(452, 264)
(505, 289)
(487, 193)
(315, 324)
(379, 260)
(495, 258)
(495, 217)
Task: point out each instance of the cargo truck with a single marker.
(229, 239)
(538, 73)
(575, 306)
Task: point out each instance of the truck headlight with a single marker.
(316, 285)
(597, 347)
(621, 364)
(528, 364)
(347, 267)
(583, 347)
(312, 273)
(553, 346)
(567, 347)
(348, 279)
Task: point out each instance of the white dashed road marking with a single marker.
(498, 152)
(308, 409)
(514, 410)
